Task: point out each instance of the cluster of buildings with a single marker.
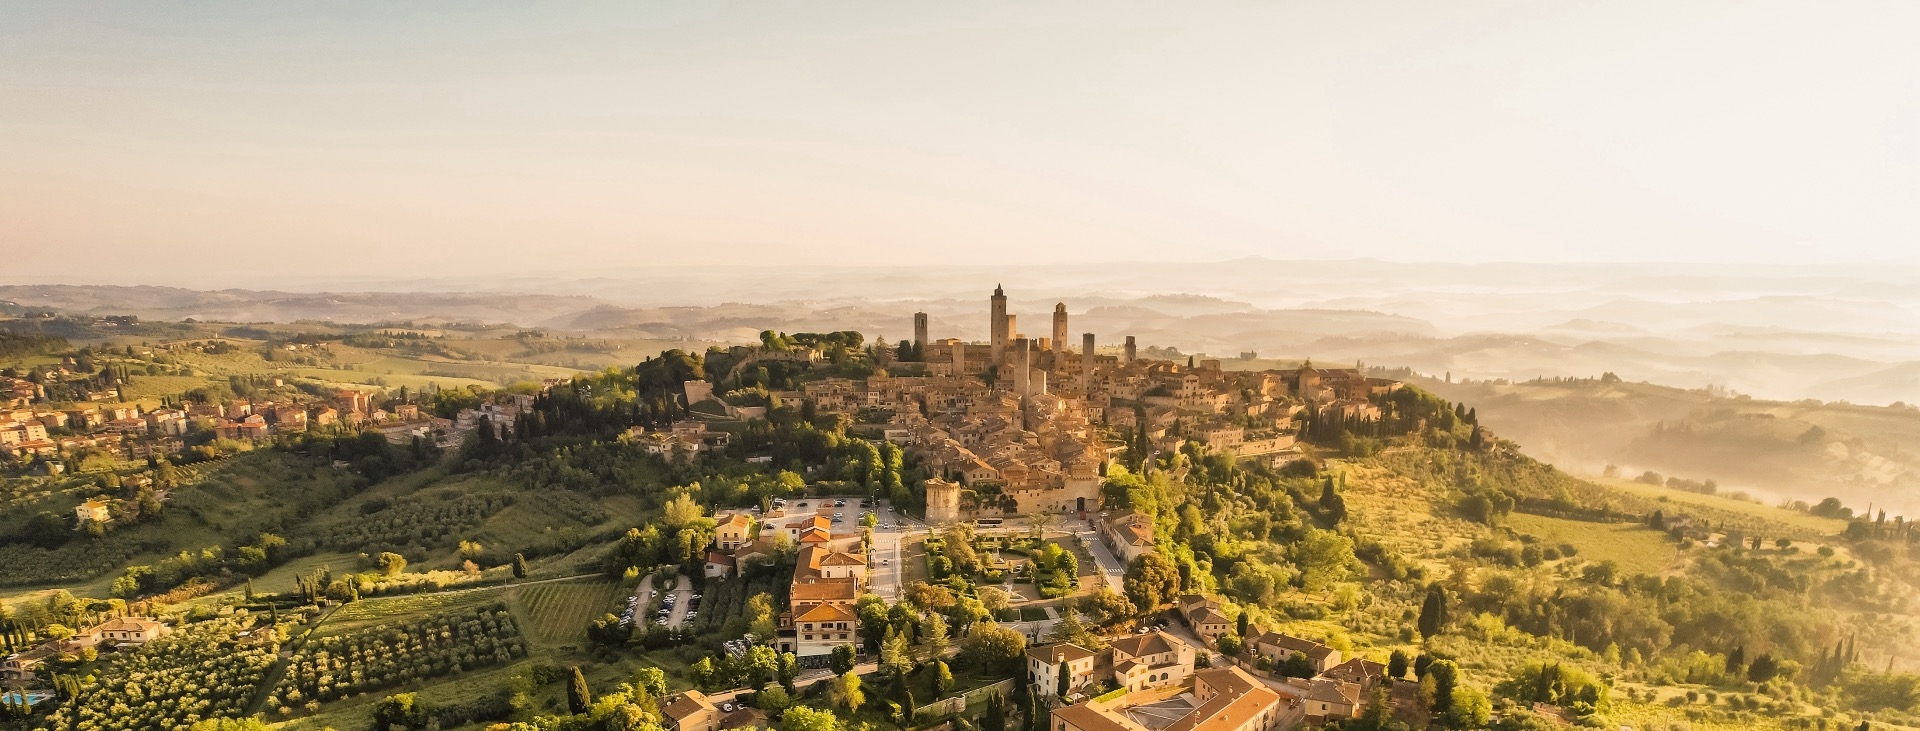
(137, 432)
(1334, 686)
(25, 667)
(681, 442)
(829, 572)
(1012, 425)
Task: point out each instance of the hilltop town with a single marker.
(816, 532)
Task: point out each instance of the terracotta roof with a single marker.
(127, 624)
(717, 557)
(1208, 615)
(1357, 670)
(826, 613)
(686, 704)
(823, 590)
(1085, 718)
(1058, 652)
(1147, 644)
(839, 558)
(1333, 691)
(1237, 697)
(737, 520)
(743, 718)
(1291, 644)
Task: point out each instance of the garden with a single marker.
(202, 671)
(387, 655)
(963, 561)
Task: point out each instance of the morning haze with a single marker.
(988, 367)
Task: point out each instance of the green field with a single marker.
(1790, 518)
(354, 615)
(558, 613)
(1635, 547)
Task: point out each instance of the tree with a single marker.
(1397, 665)
(519, 566)
(942, 679)
(789, 670)
(579, 697)
(1324, 557)
(1063, 680)
(652, 680)
(993, 648)
(1232, 645)
(842, 660)
(995, 717)
(1240, 626)
(773, 698)
(1763, 669)
(760, 617)
(1433, 611)
(680, 511)
(392, 564)
(231, 724)
(1152, 581)
(895, 659)
(933, 631)
(1437, 688)
(1297, 666)
(399, 709)
(845, 692)
(804, 718)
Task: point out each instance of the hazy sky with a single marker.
(164, 140)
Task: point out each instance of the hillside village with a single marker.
(815, 533)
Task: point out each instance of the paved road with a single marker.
(1110, 565)
(884, 571)
(682, 598)
(643, 599)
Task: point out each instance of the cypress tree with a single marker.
(519, 566)
(579, 697)
(1433, 612)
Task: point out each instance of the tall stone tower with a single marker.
(1131, 351)
(997, 326)
(943, 501)
(959, 360)
(920, 332)
(1086, 364)
(1060, 328)
(1022, 367)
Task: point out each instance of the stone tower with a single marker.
(1060, 328)
(1086, 363)
(1022, 366)
(997, 326)
(1131, 352)
(959, 360)
(920, 332)
(943, 501)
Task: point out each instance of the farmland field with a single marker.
(1635, 547)
(355, 615)
(560, 612)
(1792, 518)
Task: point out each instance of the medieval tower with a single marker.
(997, 327)
(943, 501)
(920, 332)
(1059, 328)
